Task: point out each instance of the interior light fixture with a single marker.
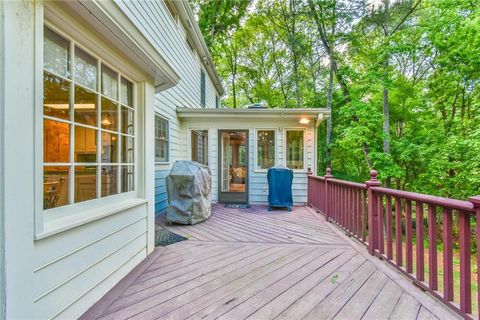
(106, 122)
(304, 121)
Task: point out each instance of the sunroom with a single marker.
(239, 145)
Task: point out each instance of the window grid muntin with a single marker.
(71, 122)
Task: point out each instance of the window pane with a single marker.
(127, 178)
(56, 141)
(56, 56)
(109, 115)
(200, 146)
(127, 92)
(85, 106)
(295, 149)
(85, 144)
(265, 149)
(109, 147)
(161, 140)
(85, 183)
(55, 187)
(109, 83)
(56, 97)
(127, 149)
(85, 69)
(127, 120)
(109, 180)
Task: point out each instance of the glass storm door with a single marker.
(233, 166)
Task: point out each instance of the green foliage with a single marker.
(425, 55)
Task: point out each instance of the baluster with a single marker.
(432, 248)
(381, 245)
(336, 203)
(419, 231)
(447, 255)
(328, 192)
(365, 215)
(465, 268)
(359, 214)
(398, 231)
(352, 211)
(476, 204)
(388, 218)
(372, 212)
(408, 235)
(343, 207)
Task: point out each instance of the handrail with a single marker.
(399, 226)
(349, 183)
(438, 201)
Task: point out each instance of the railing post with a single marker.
(328, 205)
(476, 204)
(309, 187)
(372, 212)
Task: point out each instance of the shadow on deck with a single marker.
(251, 263)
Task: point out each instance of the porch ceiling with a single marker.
(316, 114)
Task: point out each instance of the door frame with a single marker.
(228, 197)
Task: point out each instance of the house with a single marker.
(98, 99)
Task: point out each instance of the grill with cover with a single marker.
(280, 187)
(189, 186)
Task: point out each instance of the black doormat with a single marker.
(237, 205)
(163, 237)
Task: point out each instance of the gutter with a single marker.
(188, 19)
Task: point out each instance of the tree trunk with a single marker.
(234, 89)
(386, 122)
(329, 119)
(323, 37)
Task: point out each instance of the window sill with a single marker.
(162, 163)
(64, 224)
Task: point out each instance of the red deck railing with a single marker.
(427, 238)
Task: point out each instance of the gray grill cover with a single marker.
(189, 186)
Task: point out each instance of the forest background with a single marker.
(401, 79)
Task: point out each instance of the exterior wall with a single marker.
(258, 185)
(169, 38)
(61, 273)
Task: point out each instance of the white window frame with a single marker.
(55, 220)
(189, 142)
(304, 169)
(255, 142)
(157, 114)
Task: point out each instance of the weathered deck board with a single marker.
(255, 264)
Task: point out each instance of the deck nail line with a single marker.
(213, 279)
(266, 288)
(179, 284)
(282, 266)
(282, 257)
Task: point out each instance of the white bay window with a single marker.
(88, 125)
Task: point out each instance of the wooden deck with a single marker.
(255, 264)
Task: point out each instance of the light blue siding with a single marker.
(160, 191)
